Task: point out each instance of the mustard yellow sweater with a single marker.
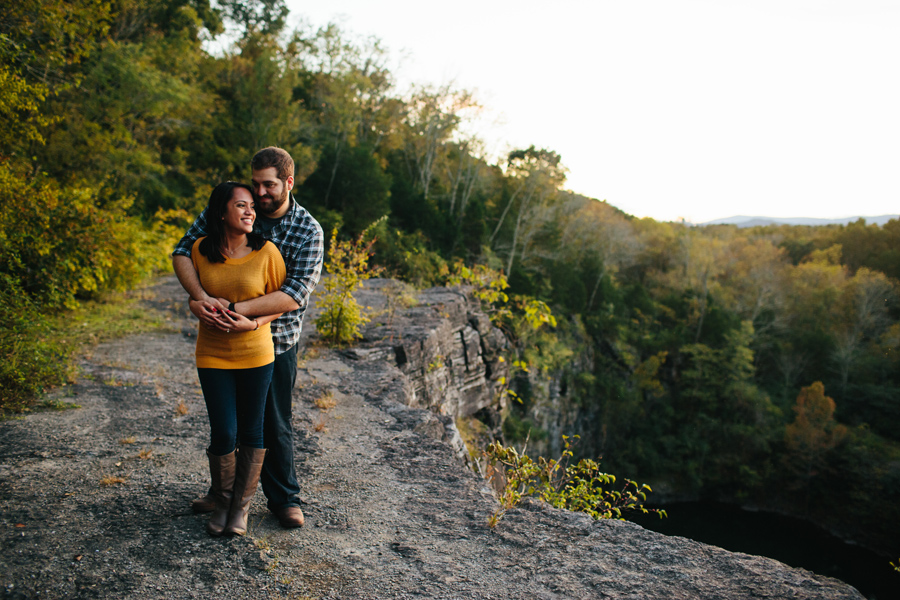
(257, 274)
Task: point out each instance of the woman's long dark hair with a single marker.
(211, 246)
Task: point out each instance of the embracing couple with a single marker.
(249, 263)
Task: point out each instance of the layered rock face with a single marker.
(446, 346)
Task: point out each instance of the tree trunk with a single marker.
(337, 160)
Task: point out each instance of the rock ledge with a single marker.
(94, 502)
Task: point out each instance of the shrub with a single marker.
(580, 487)
(488, 286)
(28, 362)
(58, 245)
(347, 265)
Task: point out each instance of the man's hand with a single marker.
(231, 321)
(208, 311)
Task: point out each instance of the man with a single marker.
(299, 238)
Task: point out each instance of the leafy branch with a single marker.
(347, 264)
(580, 487)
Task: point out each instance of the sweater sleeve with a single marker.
(195, 254)
(275, 269)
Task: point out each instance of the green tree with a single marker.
(256, 107)
(345, 84)
(535, 176)
(863, 308)
(597, 235)
(433, 116)
(267, 17)
(42, 43)
(724, 419)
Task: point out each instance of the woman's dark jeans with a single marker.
(235, 403)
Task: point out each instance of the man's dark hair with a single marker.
(211, 245)
(274, 157)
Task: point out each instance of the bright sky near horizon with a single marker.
(695, 109)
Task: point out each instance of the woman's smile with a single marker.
(240, 213)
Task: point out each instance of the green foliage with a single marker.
(21, 119)
(57, 246)
(347, 265)
(29, 362)
(523, 319)
(407, 257)
(871, 246)
(488, 286)
(517, 429)
(352, 183)
(45, 39)
(268, 16)
(580, 487)
(56, 249)
(36, 348)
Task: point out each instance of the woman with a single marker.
(234, 361)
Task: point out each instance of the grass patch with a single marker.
(37, 350)
(57, 405)
(111, 317)
(262, 544)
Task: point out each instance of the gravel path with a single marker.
(94, 502)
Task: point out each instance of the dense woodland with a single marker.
(756, 365)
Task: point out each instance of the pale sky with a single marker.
(698, 109)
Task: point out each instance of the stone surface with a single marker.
(391, 512)
(448, 350)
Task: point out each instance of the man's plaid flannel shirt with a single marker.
(299, 238)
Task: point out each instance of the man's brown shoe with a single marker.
(290, 516)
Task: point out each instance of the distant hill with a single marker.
(744, 221)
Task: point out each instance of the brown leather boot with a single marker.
(222, 474)
(249, 466)
(204, 504)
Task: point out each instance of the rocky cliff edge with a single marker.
(94, 502)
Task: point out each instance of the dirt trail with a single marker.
(390, 513)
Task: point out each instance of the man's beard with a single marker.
(273, 204)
